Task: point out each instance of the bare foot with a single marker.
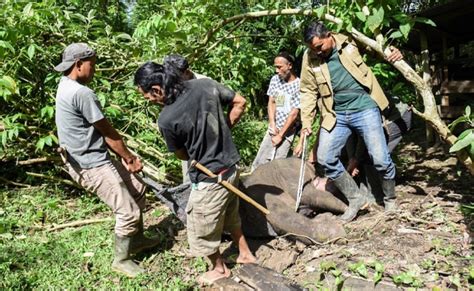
(246, 259)
(210, 277)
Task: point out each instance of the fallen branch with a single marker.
(414, 219)
(77, 223)
(14, 183)
(67, 182)
(38, 160)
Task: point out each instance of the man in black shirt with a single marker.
(194, 127)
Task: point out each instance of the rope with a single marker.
(301, 178)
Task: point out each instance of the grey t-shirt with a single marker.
(77, 108)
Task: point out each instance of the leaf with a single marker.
(373, 22)
(336, 272)
(171, 26)
(468, 111)
(124, 36)
(54, 138)
(395, 34)
(91, 14)
(361, 16)
(31, 51)
(48, 140)
(320, 11)
(7, 45)
(349, 26)
(377, 277)
(4, 138)
(326, 266)
(338, 281)
(463, 141)
(379, 267)
(362, 270)
(425, 21)
(458, 120)
(9, 83)
(405, 29)
(40, 144)
(27, 11)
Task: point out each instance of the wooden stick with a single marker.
(79, 223)
(67, 182)
(38, 160)
(14, 183)
(230, 187)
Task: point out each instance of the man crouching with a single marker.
(194, 127)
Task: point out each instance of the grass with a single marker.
(74, 258)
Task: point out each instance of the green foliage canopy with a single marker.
(127, 33)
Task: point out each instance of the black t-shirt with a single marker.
(196, 122)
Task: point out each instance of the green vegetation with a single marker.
(74, 258)
(127, 33)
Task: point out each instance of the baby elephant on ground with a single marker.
(274, 185)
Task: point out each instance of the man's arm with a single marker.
(278, 138)
(309, 92)
(237, 107)
(271, 114)
(116, 144)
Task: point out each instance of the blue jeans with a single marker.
(368, 125)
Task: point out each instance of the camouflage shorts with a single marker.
(211, 209)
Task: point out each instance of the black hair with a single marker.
(165, 76)
(315, 29)
(178, 61)
(287, 56)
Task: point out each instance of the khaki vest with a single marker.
(316, 89)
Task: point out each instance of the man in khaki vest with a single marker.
(336, 80)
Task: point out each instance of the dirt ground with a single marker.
(426, 244)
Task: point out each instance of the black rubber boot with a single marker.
(122, 261)
(388, 187)
(346, 184)
(140, 242)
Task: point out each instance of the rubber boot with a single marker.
(140, 242)
(122, 261)
(356, 199)
(388, 187)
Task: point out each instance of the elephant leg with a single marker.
(284, 220)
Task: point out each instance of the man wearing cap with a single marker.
(84, 135)
(283, 109)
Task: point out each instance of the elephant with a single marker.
(274, 186)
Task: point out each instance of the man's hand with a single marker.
(276, 140)
(273, 130)
(132, 164)
(298, 149)
(306, 131)
(395, 55)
